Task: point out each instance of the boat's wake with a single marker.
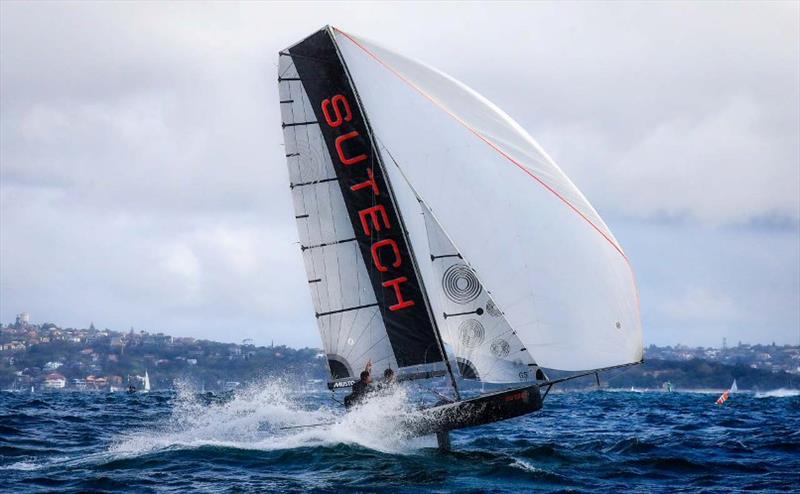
(265, 416)
(779, 393)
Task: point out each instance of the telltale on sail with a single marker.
(439, 239)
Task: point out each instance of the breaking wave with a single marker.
(778, 393)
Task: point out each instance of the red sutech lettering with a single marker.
(337, 111)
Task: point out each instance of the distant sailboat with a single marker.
(724, 397)
(434, 229)
(146, 380)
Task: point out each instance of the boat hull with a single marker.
(473, 412)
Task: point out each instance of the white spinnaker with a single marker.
(552, 265)
(336, 272)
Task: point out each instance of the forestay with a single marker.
(554, 269)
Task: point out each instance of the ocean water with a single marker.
(595, 441)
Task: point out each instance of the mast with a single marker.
(425, 295)
(436, 329)
(412, 255)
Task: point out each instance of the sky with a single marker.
(143, 182)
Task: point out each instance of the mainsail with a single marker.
(369, 300)
(429, 219)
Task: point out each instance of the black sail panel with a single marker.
(373, 213)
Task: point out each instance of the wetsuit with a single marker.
(360, 391)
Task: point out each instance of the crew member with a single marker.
(386, 386)
(360, 389)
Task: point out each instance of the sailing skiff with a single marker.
(439, 239)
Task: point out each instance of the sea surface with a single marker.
(594, 441)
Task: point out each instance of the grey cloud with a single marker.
(142, 178)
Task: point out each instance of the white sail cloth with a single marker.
(550, 263)
(484, 343)
(474, 330)
(336, 272)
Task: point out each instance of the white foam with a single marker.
(779, 393)
(255, 416)
(21, 465)
(526, 466)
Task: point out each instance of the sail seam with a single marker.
(367, 327)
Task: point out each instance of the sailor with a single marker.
(386, 386)
(360, 389)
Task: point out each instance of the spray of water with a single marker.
(264, 416)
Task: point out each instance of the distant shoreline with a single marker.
(46, 356)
